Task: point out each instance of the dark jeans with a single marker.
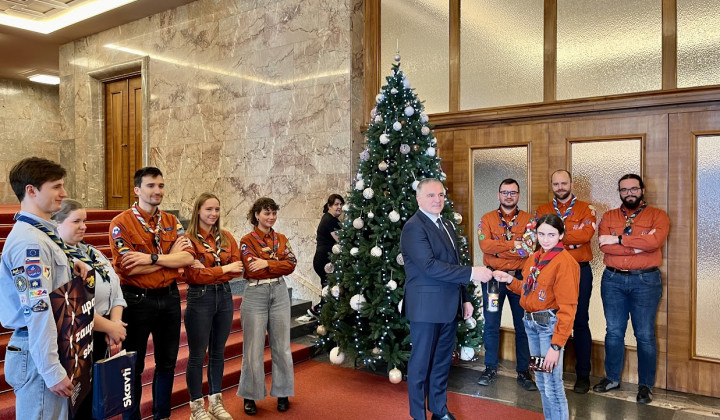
(636, 296)
(319, 260)
(491, 332)
(582, 339)
(158, 315)
(208, 319)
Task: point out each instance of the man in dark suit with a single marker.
(434, 294)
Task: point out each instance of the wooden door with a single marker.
(123, 140)
(693, 357)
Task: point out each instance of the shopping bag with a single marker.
(114, 385)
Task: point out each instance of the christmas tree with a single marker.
(361, 316)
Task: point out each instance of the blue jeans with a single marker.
(550, 385)
(491, 332)
(582, 339)
(158, 315)
(208, 319)
(33, 399)
(638, 297)
(266, 308)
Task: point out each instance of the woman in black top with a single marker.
(326, 238)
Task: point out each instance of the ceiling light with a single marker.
(45, 78)
(65, 18)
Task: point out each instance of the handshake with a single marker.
(483, 275)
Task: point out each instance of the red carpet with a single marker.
(324, 391)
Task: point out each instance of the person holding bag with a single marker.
(549, 296)
(209, 312)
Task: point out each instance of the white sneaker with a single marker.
(216, 408)
(305, 319)
(197, 410)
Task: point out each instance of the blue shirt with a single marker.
(32, 267)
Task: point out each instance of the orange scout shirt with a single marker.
(211, 274)
(557, 288)
(580, 227)
(280, 264)
(624, 257)
(129, 235)
(498, 251)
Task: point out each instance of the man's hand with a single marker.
(608, 239)
(134, 259)
(258, 264)
(80, 268)
(502, 276)
(63, 389)
(181, 244)
(467, 310)
(481, 274)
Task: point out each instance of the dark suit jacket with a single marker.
(434, 279)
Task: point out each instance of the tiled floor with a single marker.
(619, 404)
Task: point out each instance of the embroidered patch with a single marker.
(90, 281)
(38, 293)
(35, 284)
(40, 306)
(541, 295)
(119, 243)
(33, 252)
(124, 250)
(20, 283)
(26, 310)
(46, 272)
(18, 270)
(116, 232)
(168, 229)
(180, 229)
(33, 271)
(23, 299)
(32, 260)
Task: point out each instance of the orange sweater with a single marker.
(557, 288)
(580, 227)
(499, 252)
(625, 256)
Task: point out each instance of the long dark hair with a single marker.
(331, 200)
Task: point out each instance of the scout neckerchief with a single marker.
(98, 263)
(265, 248)
(629, 220)
(531, 281)
(158, 226)
(208, 248)
(567, 211)
(508, 226)
(69, 252)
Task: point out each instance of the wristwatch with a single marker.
(555, 347)
(153, 259)
(620, 239)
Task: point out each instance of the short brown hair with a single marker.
(262, 203)
(33, 171)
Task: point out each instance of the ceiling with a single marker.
(23, 52)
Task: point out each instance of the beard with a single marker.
(562, 196)
(633, 205)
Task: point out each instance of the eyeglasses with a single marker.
(629, 190)
(509, 193)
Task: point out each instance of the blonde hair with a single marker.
(68, 206)
(194, 227)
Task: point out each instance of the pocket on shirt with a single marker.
(16, 362)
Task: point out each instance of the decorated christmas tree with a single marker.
(361, 317)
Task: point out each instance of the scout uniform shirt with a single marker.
(212, 273)
(580, 224)
(648, 232)
(128, 234)
(497, 238)
(274, 248)
(32, 267)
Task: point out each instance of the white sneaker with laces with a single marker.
(216, 409)
(197, 410)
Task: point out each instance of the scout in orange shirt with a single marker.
(579, 219)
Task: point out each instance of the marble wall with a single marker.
(245, 98)
(29, 126)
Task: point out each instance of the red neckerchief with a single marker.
(265, 248)
(541, 260)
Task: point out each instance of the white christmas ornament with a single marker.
(368, 193)
(335, 291)
(404, 149)
(471, 323)
(359, 185)
(376, 251)
(400, 260)
(406, 83)
(378, 118)
(433, 142)
(346, 207)
(336, 249)
(371, 215)
(383, 166)
(397, 126)
(325, 291)
(336, 356)
(400, 305)
(392, 285)
(458, 217)
(380, 97)
(358, 223)
(357, 301)
(415, 184)
(354, 251)
(393, 91)
(384, 139)
(430, 151)
(394, 216)
(329, 268)
(423, 117)
(443, 176)
(466, 353)
(425, 130)
(364, 155)
(409, 110)
(395, 376)
(321, 330)
(376, 351)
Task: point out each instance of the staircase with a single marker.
(97, 235)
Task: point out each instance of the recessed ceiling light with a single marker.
(72, 15)
(45, 78)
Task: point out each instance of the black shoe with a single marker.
(314, 313)
(249, 407)
(283, 404)
(644, 395)
(447, 416)
(582, 384)
(526, 381)
(606, 385)
(487, 377)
